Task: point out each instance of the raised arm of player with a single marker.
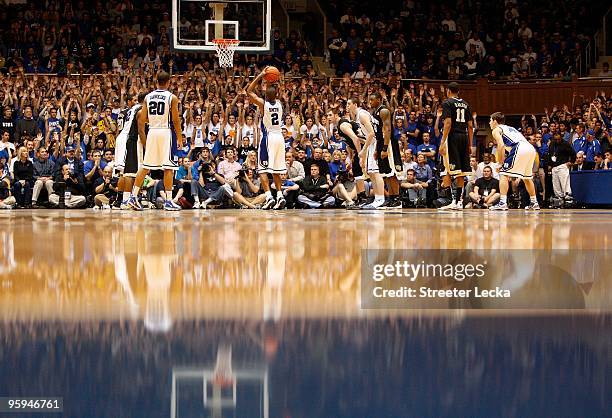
(176, 121)
(500, 144)
(143, 118)
(347, 129)
(250, 90)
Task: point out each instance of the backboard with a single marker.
(243, 390)
(195, 23)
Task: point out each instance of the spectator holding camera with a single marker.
(105, 189)
(248, 190)
(73, 162)
(70, 185)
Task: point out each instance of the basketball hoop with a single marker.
(223, 380)
(225, 51)
(223, 376)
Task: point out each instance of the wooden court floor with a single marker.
(168, 266)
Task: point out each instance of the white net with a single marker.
(223, 375)
(225, 51)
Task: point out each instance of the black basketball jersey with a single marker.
(377, 124)
(131, 122)
(355, 127)
(459, 112)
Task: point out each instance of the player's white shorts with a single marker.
(128, 156)
(158, 150)
(519, 162)
(371, 161)
(120, 151)
(271, 154)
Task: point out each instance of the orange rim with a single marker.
(226, 42)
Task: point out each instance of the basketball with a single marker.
(272, 74)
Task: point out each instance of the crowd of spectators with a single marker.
(57, 132)
(122, 37)
(454, 40)
(461, 39)
(61, 131)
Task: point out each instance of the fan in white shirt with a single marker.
(487, 161)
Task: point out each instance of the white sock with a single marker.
(269, 195)
(196, 199)
(168, 195)
(126, 196)
(503, 200)
(534, 200)
(135, 191)
(207, 201)
(380, 198)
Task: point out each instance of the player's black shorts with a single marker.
(391, 165)
(131, 157)
(457, 160)
(357, 170)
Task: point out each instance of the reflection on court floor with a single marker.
(161, 268)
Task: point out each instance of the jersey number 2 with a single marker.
(461, 115)
(157, 108)
(274, 117)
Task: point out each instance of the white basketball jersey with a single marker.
(361, 111)
(158, 104)
(273, 117)
(511, 136)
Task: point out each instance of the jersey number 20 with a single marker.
(157, 108)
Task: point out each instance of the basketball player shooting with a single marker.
(271, 152)
(456, 144)
(160, 111)
(518, 163)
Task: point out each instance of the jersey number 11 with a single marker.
(461, 115)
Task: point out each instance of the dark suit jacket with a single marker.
(586, 165)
